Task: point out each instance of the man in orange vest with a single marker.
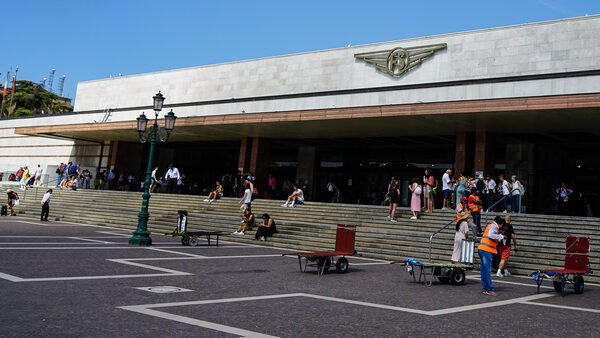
(487, 248)
(474, 203)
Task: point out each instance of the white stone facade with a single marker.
(562, 46)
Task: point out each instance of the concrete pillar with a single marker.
(464, 154)
(520, 161)
(114, 150)
(243, 163)
(485, 151)
(306, 170)
(259, 161)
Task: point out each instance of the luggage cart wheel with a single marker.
(578, 284)
(185, 240)
(457, 277)
(559, 285)
(341, 265)
(324, 263)
(193, 241)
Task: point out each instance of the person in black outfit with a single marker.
(266, 229)
(45, 205)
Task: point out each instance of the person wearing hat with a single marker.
(12, 199)
(474, 203)
(45, 205)
(487, 248)
(462, 232)
(461, 205)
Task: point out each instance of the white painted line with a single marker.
(372, 263)
(528, 277)
(488, 305)
(168, 273)
(512, 283)
(10, 277)
(54, 279)
(200, 323)
(78, 247)
(175, 252)
(146, 266)
(91, 240)
(373, 305)
(197, 257)
(213, 301)
(120, 234)
(55, 243)
(564, 307)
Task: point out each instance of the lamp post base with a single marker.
(141, 238)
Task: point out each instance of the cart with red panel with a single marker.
(323, 260)
(577, 264)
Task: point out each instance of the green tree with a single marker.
(30, 99)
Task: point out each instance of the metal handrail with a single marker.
(498, 202)
(435, 233)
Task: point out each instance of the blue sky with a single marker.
(87, 40)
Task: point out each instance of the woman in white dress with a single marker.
(462, 232)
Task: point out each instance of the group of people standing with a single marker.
(26, 178)
(509, 193)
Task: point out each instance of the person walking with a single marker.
(506, 247)
(394, 195)
(37, 174)
(462, 232)
(45, 205)
(415, 199)
(12, 200)
(24, 178)
(447, 189)
(172, 176)
(516, 193)
(487, 248)
(504, 189)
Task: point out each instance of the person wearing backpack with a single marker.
(415, 200)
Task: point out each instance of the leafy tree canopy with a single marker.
(30, 99)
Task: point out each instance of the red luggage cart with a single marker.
(577, 264)
(323, 260)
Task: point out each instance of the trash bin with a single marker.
(181, 221)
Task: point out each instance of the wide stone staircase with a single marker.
(540, 238)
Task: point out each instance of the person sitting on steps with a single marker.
(215, 194)
(266, 229)
(296, 198)
(247, 223)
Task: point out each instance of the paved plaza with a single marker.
(72, 280)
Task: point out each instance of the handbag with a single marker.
(16, 202)
(418, 190)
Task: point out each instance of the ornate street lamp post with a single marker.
(141, 236)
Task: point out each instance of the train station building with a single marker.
(519, 100)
